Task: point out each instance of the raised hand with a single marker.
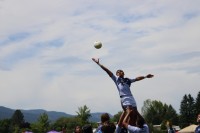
(96, 60)
(149, 76)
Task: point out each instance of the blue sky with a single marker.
(46, 48)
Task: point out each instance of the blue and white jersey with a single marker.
(171, 130)
(98, 130)
(134, 129)
(123, 86)
(120, 129)
(197, 130)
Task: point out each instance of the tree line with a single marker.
(17, 124)
(155, 113)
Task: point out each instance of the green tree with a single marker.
(192, 111)
(183, 120)
(116, 117)
(17, 121)
(67, 123)
(146, 106)
(17, 118)
(83, 114)
(4, 125)
(155, 113)
(197, 104)
(171, 115)
(42, 125)
(187, 111)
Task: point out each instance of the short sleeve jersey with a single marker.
(123, 85)
(171, 130)
(197, 130)
(121, 129)
(98, 130)
(133, 129)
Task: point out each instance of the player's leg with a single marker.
(133, 115)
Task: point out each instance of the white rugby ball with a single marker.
(97, 44)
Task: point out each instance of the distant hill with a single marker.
(5, 112)
(33, 115)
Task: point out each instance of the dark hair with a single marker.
(108, 128)
(198, 118)
(140, 121)
(87, 129)
(119, 70)
(105, 117)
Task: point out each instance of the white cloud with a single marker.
(46, 49)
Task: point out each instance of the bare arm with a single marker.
(104, 68)
(125, 122)
(121, 119)
(143, 77)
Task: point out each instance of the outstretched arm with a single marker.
(104, 68)
(143, 77)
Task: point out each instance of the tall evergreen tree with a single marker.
(17, 118)
(192, 109)
(17, 121)
(187, 111)
(183, 121)
(197, 104)
(171, 115)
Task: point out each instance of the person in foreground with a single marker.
(141, 126)
(197, 130)
(108, 127)
(105, 118)
(171, 129)
(123, 85)
(87, 129)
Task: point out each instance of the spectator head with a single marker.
(198, 118)
(105, 117)
(78, 129)
(170, 124)
(87, 129)
(108, 128)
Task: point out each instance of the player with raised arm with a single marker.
(123, 85)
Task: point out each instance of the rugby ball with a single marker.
(97, 44)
